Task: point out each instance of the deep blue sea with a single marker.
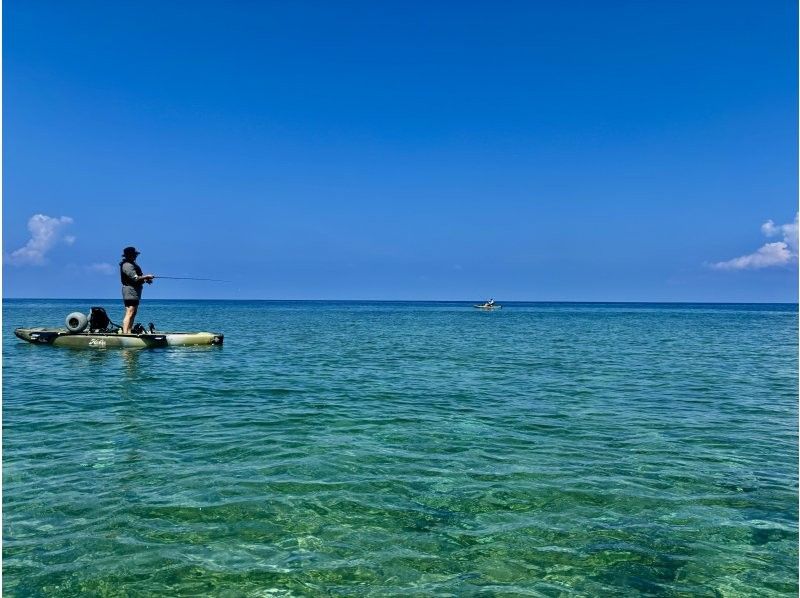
(388, 449)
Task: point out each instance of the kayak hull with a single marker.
(488, 307)
(59, 337)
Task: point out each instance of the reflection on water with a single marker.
(92, 362)
(130, 363)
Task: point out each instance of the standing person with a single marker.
(132, 282)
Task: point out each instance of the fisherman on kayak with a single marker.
(132, 282)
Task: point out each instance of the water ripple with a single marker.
(372, 449)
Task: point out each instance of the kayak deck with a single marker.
(60, 337)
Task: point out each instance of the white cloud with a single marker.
(46, 232)
(771, 254)
(778, 253)
(101, 268)
(789, 232)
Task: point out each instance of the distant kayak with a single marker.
(488, 307)
(61, 337)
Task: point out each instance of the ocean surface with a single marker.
(406, 449)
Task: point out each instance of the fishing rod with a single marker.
(191, 278)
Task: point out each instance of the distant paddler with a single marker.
(132, 282)
(490, 304)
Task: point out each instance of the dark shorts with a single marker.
(131, 302)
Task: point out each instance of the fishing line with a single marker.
(191, 278)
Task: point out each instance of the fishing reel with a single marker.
(139, 329)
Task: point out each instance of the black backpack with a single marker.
(98, 320)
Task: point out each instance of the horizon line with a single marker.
(576, 301)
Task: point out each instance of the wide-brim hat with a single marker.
(130, 251)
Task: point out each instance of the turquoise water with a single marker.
(374, 449)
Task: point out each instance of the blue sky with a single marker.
(586, 151)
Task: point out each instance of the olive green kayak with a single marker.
(61, 337)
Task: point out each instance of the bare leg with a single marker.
(127, 321)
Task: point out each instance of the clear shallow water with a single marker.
(380, 449)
